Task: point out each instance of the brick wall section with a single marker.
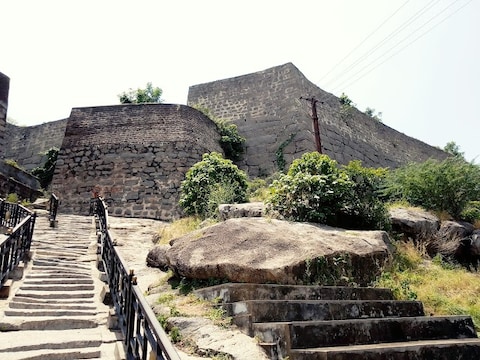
(266, 108)
(4, 89)
(135, 156)
(26, 145)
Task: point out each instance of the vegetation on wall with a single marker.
(279, 153)
(232, 143)
(149, 94)
(210, 182)
(45, 172)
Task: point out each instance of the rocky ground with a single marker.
(200, 336)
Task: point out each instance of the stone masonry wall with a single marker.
(26, 145)
(4, 89)
(135, 156)
(267, 109)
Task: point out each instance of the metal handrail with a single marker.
(53, 209)
(143, 336)
(14, 248)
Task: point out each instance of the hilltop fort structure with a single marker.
(136, 156)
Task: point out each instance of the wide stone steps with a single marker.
(450, 349)
(337, 323)
(57, 311)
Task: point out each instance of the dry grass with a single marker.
(178, 228)
(444, 289)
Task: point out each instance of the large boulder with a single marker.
(259, 250)
(229, 211)
(414, 223)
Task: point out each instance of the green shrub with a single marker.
(471, 213)
(446, 185)
(231, 141)
(364, 209)
(314, 189)
(212, 181)
(12, 197)
(45, 172)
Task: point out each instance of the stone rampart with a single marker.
(135, 156)
(27, 145)
(4, 89)
(267, 109)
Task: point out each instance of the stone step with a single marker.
(306, 310)
(59, 263)
(64, 271)
(56, 295)
(29, 340)
(15, 304)
(42, 300)
(450, 349)
(56, 275)
(41, 312)
(16, 323)
(311, 334)
(67, 281)
(57, 287)
(233, 292)
(57, 354)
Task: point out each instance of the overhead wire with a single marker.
(363, 41)
(349, 80)
(378, 45)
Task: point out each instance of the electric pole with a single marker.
(316, 130)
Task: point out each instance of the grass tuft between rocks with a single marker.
(443, 288)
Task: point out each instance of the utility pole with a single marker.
(316, 130)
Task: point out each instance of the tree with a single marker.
(453, 149)
(140, 96)
(371, 112)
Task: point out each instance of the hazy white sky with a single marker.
(417, 61)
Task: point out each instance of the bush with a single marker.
(45, 172)
(364, 209)
(448, 185)
(314, 189)
(208, 183)
(471, 213)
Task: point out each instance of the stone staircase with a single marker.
(56, 312)
(343, 323)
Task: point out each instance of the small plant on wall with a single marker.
(231, 141)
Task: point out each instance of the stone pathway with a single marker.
(56, 311)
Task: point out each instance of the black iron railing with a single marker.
(52, 210)
(17, 224)
(144, 338)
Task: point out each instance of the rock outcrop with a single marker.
(259, 250)
(414, 223)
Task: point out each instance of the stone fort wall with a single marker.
(135, 156)
(27, 144)
(267, 109)
(4, 89)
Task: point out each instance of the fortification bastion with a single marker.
(268, 112)
(135, 156)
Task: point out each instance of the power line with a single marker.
(377, 46)
(404, 47)
(364, 40)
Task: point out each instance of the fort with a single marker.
(136, 156)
